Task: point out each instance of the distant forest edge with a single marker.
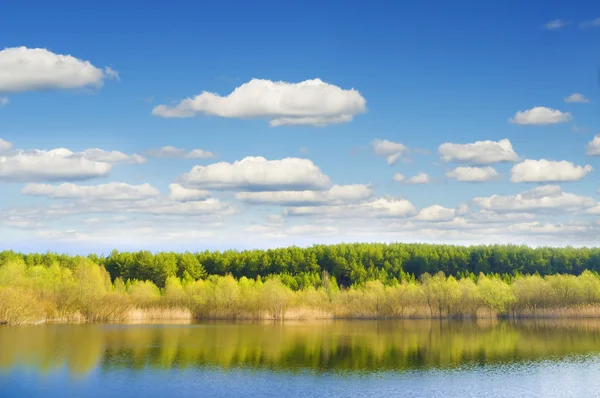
(349, 264)
(321, 282)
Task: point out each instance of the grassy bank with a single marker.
(85, 292)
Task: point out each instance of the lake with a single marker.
(545, 358)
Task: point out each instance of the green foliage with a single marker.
(350, 264)
(359, 280)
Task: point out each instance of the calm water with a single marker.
(341, 358)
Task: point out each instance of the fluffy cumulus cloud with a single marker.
(548, 171)
(420, 178)
(435, 213)
(311, 102)
(540, 116)
(172, 152)
(473, 174)
(544, 198)
(392, 151)
(594, 210)
(54, 165)
(4, 101)
(179, 193)
(593, 147)
(5, 146)
(379, 207)
(257, 174)
(577, 98)
(25, 69)
(479, 152)
(338, 194)
(109, 191)
(58, 164)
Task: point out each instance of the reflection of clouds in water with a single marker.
(321, 346)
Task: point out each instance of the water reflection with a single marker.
(318, 346)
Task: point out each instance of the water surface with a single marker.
(334, 358)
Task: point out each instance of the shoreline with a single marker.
(147, 316)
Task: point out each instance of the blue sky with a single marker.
(429, 73)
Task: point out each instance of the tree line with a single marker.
(349, 264)
(86, 292)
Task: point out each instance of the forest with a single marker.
(349, 264)
(338, 281)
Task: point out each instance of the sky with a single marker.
(236, 125)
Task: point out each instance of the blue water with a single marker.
(296, 361)
(574, 377)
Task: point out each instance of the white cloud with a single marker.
(491, 217)
(479, 152)
(161, 207)
(380, 207)
(4, 101)
(25, 69)
(593, 210)
(172, 152)
(5, 146)
(182, 194)
(555, 24)
(59, 164)
(310, 230)
(544, 198)
(593, 147)
(199, 154)
(127, 238)
(311, 102)
(164, 210)
(258, 174)
(392, 151)
(111, 73)
(577, 98)
(540, 116)
(54, 165)
(463, 209)
(473, 174)
(338, 194)
(590, 24)
(275, 219)
(280, 232)
(109, 191)
(100, 155)
(420, 178)
(435, 213)
(548, 171)
(535, 227)
(399, 177)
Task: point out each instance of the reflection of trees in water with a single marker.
(320, 346)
